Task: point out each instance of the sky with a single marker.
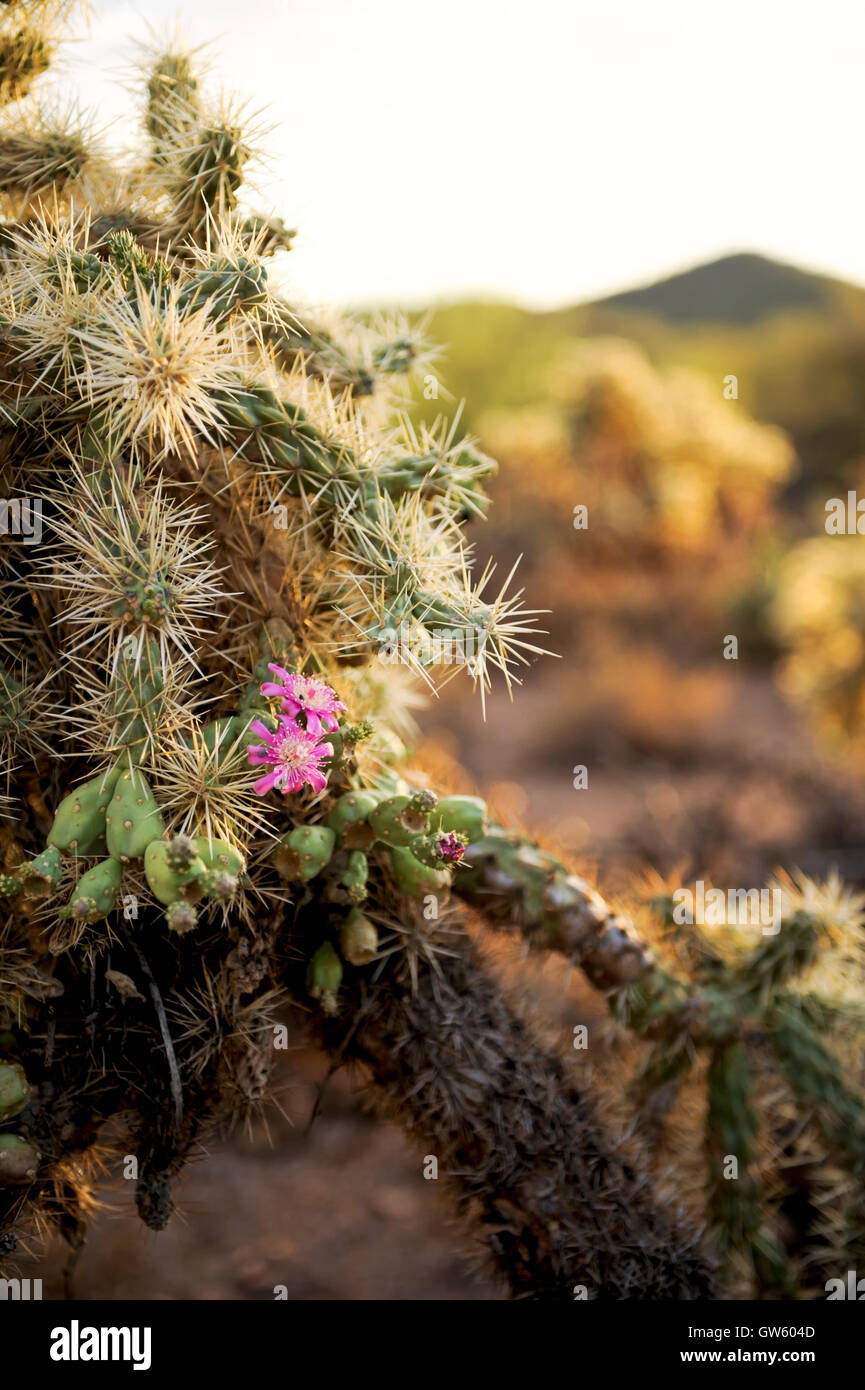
(546, 152)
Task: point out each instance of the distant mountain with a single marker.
(795, 341)
(740, 289)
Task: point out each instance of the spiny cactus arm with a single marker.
(517, 885)
(278, 434)
(294, 340)
(21, 703)
(202, 157)
(549, 1191)
(731, 1135)
(48, 153)
(29, 32)
(815, 1075)
(172, 98)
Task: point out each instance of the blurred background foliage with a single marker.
(706, 518)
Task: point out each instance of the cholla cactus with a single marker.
(665, 466)
(769, 1036)
(203, 702)
(817, 617)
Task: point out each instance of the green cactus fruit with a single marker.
(467, 815)
(14, 1091)
(358, 938)
(354, 877)
(324, 977)
(414, 878)
(304, 852)
(166, 883)
(349, 820)
(42, 875)
(398, 819)
(425, 849)
(132, 820)
(181, 917)
(218, 884)
(19, 1161)
(79, 822)
(181, 853)
(10, 885)
(220, 856)
(96, 892)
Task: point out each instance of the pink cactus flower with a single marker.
(293, 756)
(306, 695)
(451, 847)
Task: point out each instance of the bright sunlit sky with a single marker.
(547, 151)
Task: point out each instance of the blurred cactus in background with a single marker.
(819, 617)
(245, 563)
(664, 464)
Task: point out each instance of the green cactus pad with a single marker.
(42, 875)
(79, 823)
(414, 878)
(349, 820)
(220, 856)
(14, 1090)
(19, 1160)
(166, 883)
(397, 820)
(132, 820)
(466, 815)
(304, 853)
(96, 892)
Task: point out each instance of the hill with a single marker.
(740, 289)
